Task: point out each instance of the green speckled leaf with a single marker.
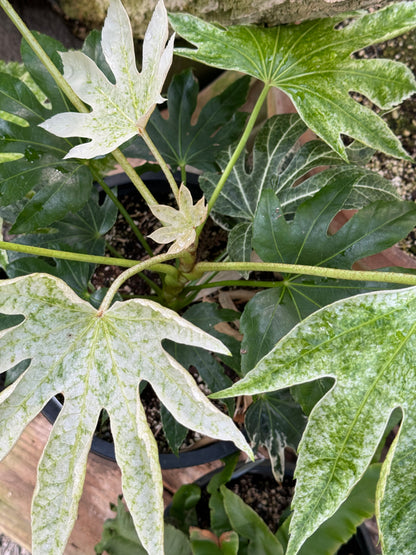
(120, 109)
(97, 361)
(312, 63)
(278, 162)
(367, 344)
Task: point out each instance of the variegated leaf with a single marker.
(312, 63)
(179, 225)
(118, 110)
(97, 360)
(367, 345)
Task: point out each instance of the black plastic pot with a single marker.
(209, 453)
(359, 544)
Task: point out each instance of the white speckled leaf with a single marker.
(118, 110)
(97, 362)
(367, 344)
(179, 225)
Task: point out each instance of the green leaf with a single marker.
(219, 520)
(182, 513)
(367, 345)
(248, 524)
(278, 162)
(118, 110)
(306, 239)
(55, 186)
(184, 143)
(174, 432)
(205, 543)
(97, 360)
(311, 62)
(83, 231)
(206, 316)
(119, 536)
(19, 70)
(275, 421)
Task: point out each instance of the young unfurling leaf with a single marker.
(179, 225)
(118, 110)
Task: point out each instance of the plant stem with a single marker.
(71, 94)
(89, 258)
(240, 147)
(113, 251)
(159, 159)
(118, 282)
(237, 283)
(334, 273)
(183, 175)
(124, 213)
(43, 57)
(134, 177)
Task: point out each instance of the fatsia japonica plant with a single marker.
(322, 341)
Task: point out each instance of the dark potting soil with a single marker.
(268, 498)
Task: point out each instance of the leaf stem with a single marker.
(159, 159)
(88, 258)
(118, 282)
(134, 177)
(333, 273)
(240, 147)
(124, 213)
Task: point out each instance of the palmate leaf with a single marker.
(305, 240)
(83, 231)
(274, 312)
(312, 63)
(367, 344)
(278, 163)
(59, 186)
(182, 142)
(118, 110)
(97, 361)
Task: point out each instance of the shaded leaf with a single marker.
(83, 231)
(184, 143)
(56, 186)
(275, 421)
(311, 62)
(97, 360)
(366, 344)
(118, 110)
(174, 432)
(206, 316)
